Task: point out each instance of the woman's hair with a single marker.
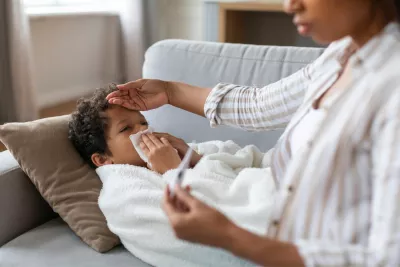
(397, 3)
(376, 4)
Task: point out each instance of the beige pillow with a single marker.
(66, 182)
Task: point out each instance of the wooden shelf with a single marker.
(251, 6)
(232, 18)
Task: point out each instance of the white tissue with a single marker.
(135, 139)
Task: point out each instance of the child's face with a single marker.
(121, 124)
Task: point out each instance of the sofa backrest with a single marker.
(206, 64)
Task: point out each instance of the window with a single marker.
(42, 3)
(54, 7)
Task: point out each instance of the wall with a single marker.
(74, 54)
(184, 19)
(174, 19)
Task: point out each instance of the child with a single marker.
(100, 133)
(130, 198)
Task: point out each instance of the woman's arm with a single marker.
(187, 97)
(258, 109)
(253, 109)
(261, 250)
(246, 107)
(249, 108)
(147, 94)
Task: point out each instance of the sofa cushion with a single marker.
(65, 181)
(54, 244)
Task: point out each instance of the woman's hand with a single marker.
(195, 221)
(162, 156)
(143, 94)
(181, 146)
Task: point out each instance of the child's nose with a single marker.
(143, 127)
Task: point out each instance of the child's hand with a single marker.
(162, 155)
(181, 146)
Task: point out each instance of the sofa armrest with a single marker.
(21, 206)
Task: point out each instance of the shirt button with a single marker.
(275, 223)
(290, 188)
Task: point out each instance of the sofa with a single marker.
(32, 235)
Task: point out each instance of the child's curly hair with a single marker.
(88, 124)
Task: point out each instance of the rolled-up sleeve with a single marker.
(383, 247)
(270, 107)
(257, 109)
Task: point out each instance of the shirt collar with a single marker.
(375, 52)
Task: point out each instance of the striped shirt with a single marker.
(339, 196)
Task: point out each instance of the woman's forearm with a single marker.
(261, 250)
(188, 97)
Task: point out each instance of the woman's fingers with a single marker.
(167, 193)
(123, 87)
(182, 206)
(116, 94)
(188, 188)
(168, 203)
(173, 204)
(131, 85)
(185, 197)
(117, 100)
(129, 104)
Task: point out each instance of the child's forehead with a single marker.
(117, 113)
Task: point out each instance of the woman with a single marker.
(339, 192)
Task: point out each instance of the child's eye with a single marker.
(124, 129)
(144, 123)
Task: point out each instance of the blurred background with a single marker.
(55, 51)
(78, 45)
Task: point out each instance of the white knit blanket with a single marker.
(236, 181)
